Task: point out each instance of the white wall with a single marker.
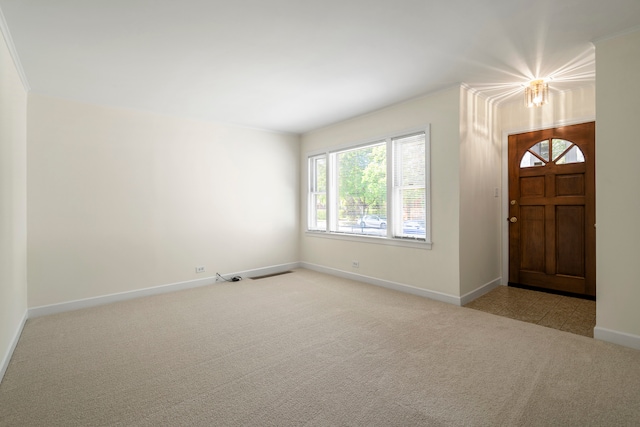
(13, 204)
(617, 180)
(480, 154)
(568, 107)
(437, 269)
(122, 200)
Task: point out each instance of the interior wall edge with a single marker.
(616, 337)
(4, 28)
(14, 342)
(477, 293)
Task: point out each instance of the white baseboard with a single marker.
(438, 296)
(156, 290)
(468, 297)
(616, 337)
(62, 307)
(14, 342)
(274, 269)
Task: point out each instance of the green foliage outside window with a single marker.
(362, 182)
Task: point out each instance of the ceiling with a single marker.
(297, 65)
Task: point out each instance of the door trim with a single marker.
(504, 211)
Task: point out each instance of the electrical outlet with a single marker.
(355, 264)
(200, 269)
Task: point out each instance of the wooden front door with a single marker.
(552, 209)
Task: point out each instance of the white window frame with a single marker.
(313, 191)
(332, 193)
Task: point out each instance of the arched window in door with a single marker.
(553, 150)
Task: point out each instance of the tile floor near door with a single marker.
(568, 314)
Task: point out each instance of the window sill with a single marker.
(407, 243)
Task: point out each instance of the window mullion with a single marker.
(332, 193)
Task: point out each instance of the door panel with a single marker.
(570, 240)
(552, 209)
(532, 253)
(532, 186)
(570, 185)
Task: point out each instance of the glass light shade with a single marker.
(536, 93)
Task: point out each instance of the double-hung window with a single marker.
(318, 193)
(379, 189)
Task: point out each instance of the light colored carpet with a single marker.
(307, 349)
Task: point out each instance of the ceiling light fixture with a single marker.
(536, 93)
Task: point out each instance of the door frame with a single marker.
(504, 211)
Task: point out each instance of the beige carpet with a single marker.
(306, 349)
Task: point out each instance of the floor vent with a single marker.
(270, 275)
